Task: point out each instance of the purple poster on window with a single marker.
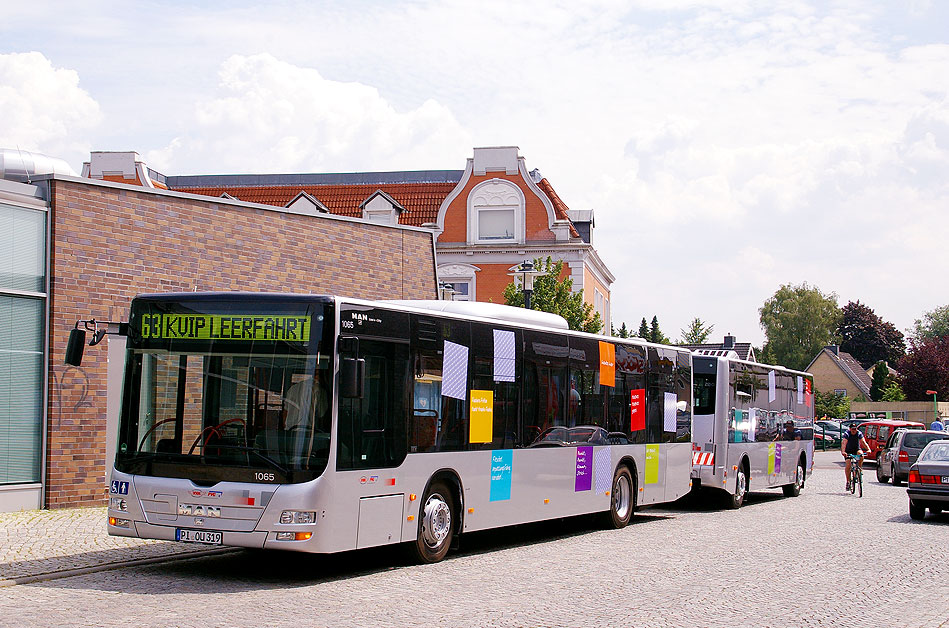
(777, 457)
(584, 469)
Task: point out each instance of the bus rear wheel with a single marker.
(436, 524)
(793, 490)
(622, 499)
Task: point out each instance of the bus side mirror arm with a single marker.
(99, 329)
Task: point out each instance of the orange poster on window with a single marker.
(607, 364)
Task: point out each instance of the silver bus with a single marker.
(741, 442)
(324, 424)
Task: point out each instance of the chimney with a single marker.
(729, 342)
(835, 349)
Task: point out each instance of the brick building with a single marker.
(76, 248)
(837, 371)
(490, 216)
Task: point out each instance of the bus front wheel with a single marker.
(741, 487)
(622, 499)
(436, 524)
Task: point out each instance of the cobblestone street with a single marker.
(825, 558)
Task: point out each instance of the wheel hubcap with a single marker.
(436, 522)
(740, 489)
(622, 496)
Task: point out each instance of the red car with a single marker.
(876, 433)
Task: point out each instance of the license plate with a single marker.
(206, 537)
(945, 479)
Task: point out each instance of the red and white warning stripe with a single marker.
(703, 458)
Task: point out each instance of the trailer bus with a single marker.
(740, 412)
(324, 424)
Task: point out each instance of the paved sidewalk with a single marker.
(43, 544)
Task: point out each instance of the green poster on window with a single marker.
(652, 464)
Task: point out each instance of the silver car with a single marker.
(929, 480)
(901, 451)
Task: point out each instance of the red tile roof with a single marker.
(420, 200)
(560, 208)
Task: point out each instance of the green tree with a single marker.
(643, 329)
(933, 325)
(878, 383)
(555, 295)
(622, 332)
(893, 392)
(831, 405)
(696, 333)
(655, 334)
(798, 322)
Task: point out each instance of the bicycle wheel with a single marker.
(853, 479)
(859, 483)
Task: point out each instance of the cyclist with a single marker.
(853, 443)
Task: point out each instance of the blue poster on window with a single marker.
(501, 463)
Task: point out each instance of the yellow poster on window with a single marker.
(771, 449)
(482, 416)
(607, 364)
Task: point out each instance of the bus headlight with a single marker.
(297, 516)
(118, 503)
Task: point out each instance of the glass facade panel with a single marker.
(21, 388)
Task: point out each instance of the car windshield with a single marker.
(918, 441)
(936, 452)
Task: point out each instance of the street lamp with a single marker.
(935, 404)
(527, 273)
(446, 291)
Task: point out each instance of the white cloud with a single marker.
(42, 108)
(272, 116)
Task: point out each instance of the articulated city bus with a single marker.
(324, 424)
(741, 409)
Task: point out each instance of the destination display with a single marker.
(251, 327)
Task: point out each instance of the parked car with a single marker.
(876, 432)
(900, 452)
(829, 430)
(929, 480)
(846, 423)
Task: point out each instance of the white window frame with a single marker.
(496, 195)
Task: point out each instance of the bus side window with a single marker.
(431, 407)
(545, 385)
(492, 370)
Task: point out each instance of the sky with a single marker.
(726, 147)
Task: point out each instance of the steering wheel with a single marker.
(213, 428)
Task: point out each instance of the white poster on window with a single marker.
(772, 393)
(800, 389)
(669, 412)
(455, 371)
(504, 351)
(752, 423)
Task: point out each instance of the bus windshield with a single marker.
(235, 396)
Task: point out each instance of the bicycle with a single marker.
(856, 475)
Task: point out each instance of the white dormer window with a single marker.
(495, 213)
(381, 208)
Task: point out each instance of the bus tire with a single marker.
(737, 498)
(793, 490)
(436, 525)
(622, 499)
